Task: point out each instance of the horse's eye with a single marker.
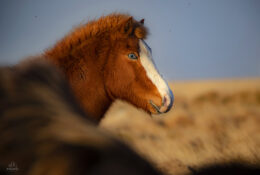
(132, 56)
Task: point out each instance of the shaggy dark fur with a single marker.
(43, 131)
(227, 169)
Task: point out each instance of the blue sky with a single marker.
(191, 39)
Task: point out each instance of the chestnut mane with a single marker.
(93, 30)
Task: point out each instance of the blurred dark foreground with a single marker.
(44, 131)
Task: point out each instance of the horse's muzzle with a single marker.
(167, 103)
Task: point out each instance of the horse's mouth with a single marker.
(155, 107)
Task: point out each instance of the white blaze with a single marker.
(151, 71)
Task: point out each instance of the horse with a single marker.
(108, 59)
(43, 130)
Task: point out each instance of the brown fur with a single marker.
(44, 131)
(94, 60)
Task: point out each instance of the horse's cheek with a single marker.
(122, 80)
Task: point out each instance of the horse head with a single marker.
(108, 59)
(130, 73)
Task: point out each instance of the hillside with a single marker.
(211, 121)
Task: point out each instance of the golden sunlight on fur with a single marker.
(211, 122)
(103, 61)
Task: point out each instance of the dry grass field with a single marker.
(211, 122)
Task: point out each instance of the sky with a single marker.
(190, 39)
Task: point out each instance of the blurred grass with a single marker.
(210, 122)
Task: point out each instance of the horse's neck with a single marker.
(86, 79)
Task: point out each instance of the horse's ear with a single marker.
(142, 21)
(128, 25)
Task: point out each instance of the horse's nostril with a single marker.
(164, 101)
